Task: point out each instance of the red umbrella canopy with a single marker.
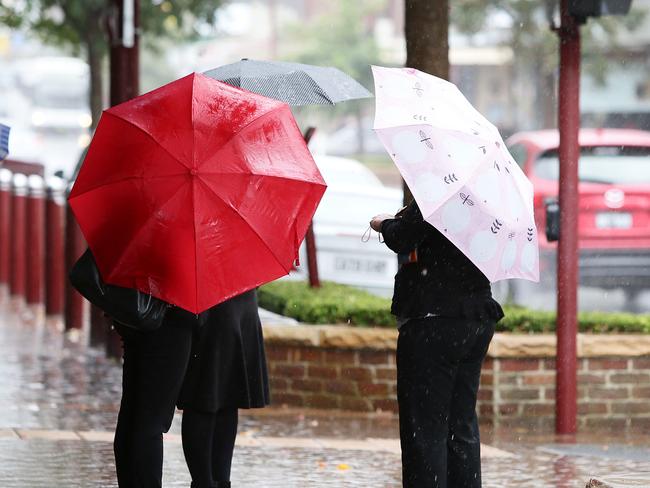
(196, 192)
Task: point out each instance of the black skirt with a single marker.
(227, 365)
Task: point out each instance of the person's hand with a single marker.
(376, 221)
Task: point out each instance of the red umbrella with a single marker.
(196, 192)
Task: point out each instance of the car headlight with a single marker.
(83, 140)
(38, 119)
(85, 121)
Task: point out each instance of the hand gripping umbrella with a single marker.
(196, 192)
(464, 179)
(296, 84)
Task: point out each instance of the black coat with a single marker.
(438, 279)
(227, 365)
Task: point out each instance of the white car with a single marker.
(354, 195)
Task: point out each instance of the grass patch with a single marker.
(340, 304)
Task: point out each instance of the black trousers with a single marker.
(153, 372)
(438, 370)
(208, 443)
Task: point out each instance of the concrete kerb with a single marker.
(317, 443)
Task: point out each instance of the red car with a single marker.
(614, 203)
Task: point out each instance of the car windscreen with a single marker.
(622, 165)
(350, 209)
(60, 96)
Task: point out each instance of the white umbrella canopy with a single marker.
(459, 170)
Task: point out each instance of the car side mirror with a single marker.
(552, 220)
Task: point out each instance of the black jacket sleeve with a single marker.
(406, 231)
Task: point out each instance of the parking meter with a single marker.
(582, 9)
(552, 220)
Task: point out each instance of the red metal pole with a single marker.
(567, 258)
(125, 58)
(310, 238)
(125, 84)
(55, 247)
(36, 239)
(5, 225)
(17, 279)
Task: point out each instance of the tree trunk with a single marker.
(95, 54)
(426, 28)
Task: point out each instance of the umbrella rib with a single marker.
(130, 122)
(122, 180)
(144, 225)
(196, 260)
(319, 90)
(230, 141)
(299, 179)
(245, 221)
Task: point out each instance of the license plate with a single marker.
(613, 220)
(359, 265)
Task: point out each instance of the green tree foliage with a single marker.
(342, 37)
(536, 45)
(81, 26)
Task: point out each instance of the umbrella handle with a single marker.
(366, 235)
(309, 133)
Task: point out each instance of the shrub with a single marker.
(334, 303)
(331, 304)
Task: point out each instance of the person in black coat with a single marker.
(227, 371)
(209, 364)
(152, 376)
(446, 318)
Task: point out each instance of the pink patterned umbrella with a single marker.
(459, 170)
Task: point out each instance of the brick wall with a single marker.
(613, 392)
(348, 379)
(354, 369)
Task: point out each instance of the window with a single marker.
(519, 153)
(602, 164)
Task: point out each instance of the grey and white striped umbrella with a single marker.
(292, 83)
(4, 141)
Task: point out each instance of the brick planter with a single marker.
(353, 368)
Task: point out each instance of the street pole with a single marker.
(124, 37)
(567, 258)
(124, 58)
(310, 238)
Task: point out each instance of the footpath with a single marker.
(59, 400)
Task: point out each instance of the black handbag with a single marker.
(127, 306)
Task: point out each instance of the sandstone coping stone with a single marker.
(333, 336)
(504, 345)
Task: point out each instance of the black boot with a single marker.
(222, 484)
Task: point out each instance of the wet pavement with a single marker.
(59, 401)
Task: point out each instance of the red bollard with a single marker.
(75, 245)
(17, 278)
(5, 225)
(36, 239)
(55, 247)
